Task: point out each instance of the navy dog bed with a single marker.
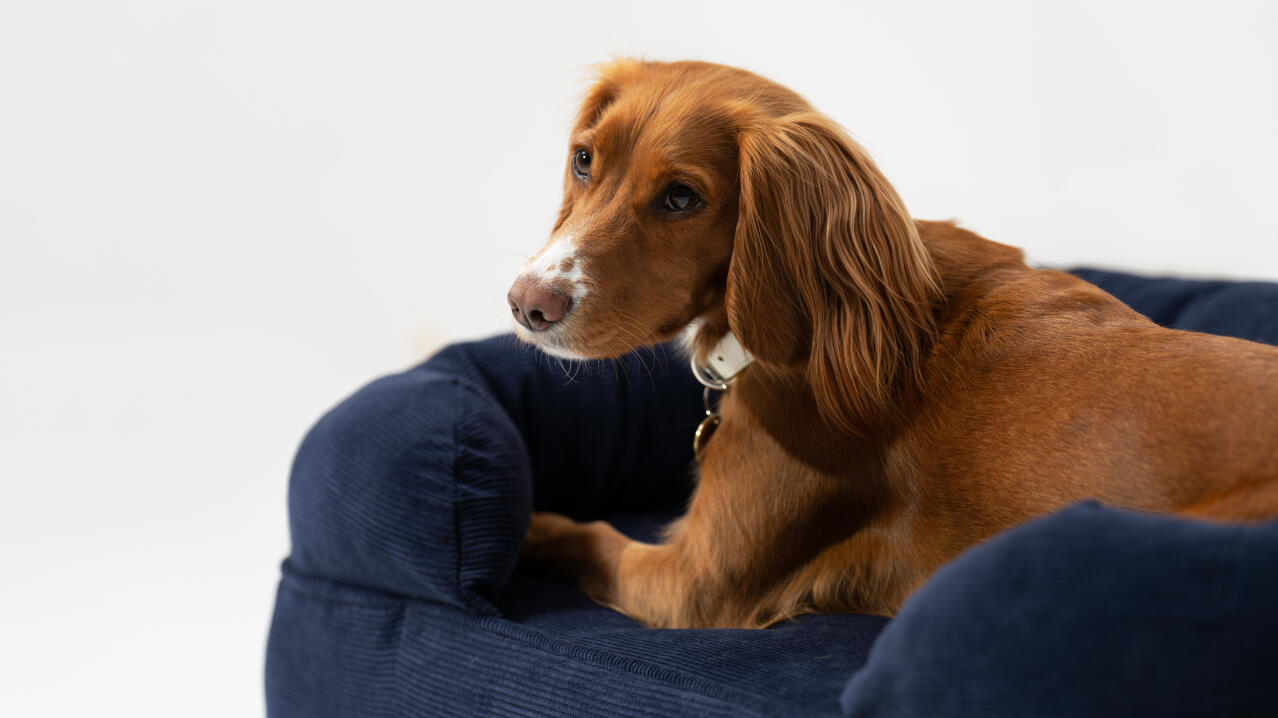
(409, 500)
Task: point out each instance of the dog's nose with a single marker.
(535, 306)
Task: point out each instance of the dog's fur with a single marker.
(916, 388)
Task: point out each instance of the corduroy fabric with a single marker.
(602, 437)
(334, 650)
(409, 500)
(1089, 612)
(384, 657)
(417, 485)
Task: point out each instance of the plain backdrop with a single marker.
(219, 218)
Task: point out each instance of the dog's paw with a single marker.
(549, 544)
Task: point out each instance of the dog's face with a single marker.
(702, 192)
(644, 237)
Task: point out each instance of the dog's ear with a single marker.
(827, 268)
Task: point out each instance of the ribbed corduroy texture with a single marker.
(418, 485)
(379, 657)
(602, 437)
(409, 500)
(1089, 612)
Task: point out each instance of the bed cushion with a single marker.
(1091, 611)
(341, 650)
(417, 485)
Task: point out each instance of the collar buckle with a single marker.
(726, 360)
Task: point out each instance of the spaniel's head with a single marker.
(698, 192)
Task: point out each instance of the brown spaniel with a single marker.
(897, 390)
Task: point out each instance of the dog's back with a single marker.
(1043, 389)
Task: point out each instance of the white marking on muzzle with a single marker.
(545, 266)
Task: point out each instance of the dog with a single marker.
(897, 390)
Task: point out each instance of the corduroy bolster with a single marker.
(421, 483)
(1089, 612)
(417, 485)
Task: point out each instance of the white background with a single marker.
(216, 219)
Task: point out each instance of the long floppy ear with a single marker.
(828, 269)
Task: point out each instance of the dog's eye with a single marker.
(581, 164)
(680, 197)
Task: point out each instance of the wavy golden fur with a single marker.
(828, 268)
(916, 388)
